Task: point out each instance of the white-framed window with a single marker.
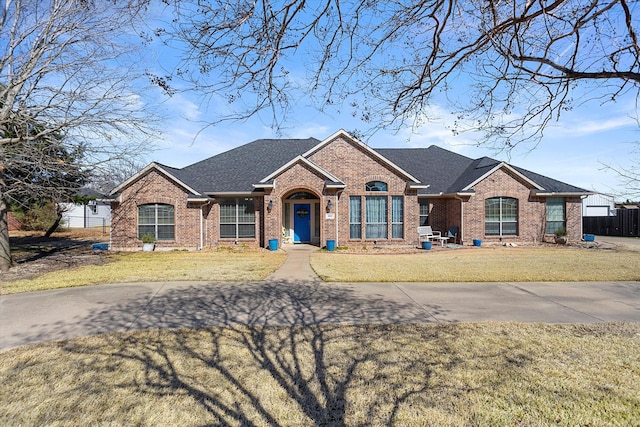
(355, 217)
(156, 219)
(397, 217)
(556, 218)
(376, 217)
(424, 212)
(237, 218)
(501, 216)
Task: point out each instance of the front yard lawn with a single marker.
(486, 374)
(497, 264)
(219, 265)
(492, 264)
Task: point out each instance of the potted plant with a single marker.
(148, 242)
(561, 236)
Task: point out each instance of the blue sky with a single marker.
(574, 150)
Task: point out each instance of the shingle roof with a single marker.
(237, 169)
(435, 166)
(446, 172)
(549, 184)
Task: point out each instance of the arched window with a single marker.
(156, 219)
(376, 186)
(501, 216)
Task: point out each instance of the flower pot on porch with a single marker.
(273, 244)
(148, 247)
(426, 245)
(331, 245)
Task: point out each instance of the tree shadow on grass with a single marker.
(273, 353)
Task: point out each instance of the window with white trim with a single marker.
(156, 219)
(237, 218)
(376, 217)
(355, 217)
(424, 212)
(501, 216)
(556, 219)
(397, 217)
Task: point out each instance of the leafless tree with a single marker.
(106, 177)
(507, 68)
(71, 67)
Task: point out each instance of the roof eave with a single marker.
(448, 195)
(229, 193)
(561, 193)
(304, 160)
(264, 186)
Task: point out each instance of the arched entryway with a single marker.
(301, 218)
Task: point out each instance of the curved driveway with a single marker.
(295, 296)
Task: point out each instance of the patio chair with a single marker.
(452, 234)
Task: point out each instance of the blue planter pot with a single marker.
(477, 242)
(273, 244)
(331, 245)
(426, 245)
(589, 238)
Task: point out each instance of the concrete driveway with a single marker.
(66, 313)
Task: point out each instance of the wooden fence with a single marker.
(625, 223)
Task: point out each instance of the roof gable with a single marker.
(373, 153)
(300, 159)
(166, 171)
(485, 167)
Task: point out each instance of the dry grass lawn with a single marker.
(488, 374)
(219, 265)
(492, 264)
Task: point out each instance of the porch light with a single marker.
(329, 206)
(270, 206)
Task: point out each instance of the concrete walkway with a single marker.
(297, 266)
(294, 295)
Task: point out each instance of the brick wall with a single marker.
(355, 167)
(531, 210)
(300, 177)
(154, 188)
(573, 206)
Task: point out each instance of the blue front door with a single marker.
(301, 222)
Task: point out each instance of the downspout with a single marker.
(337, 210)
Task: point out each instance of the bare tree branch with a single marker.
(69, 77)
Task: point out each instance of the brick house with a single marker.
(306, 190)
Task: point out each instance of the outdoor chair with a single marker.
(453, 234)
